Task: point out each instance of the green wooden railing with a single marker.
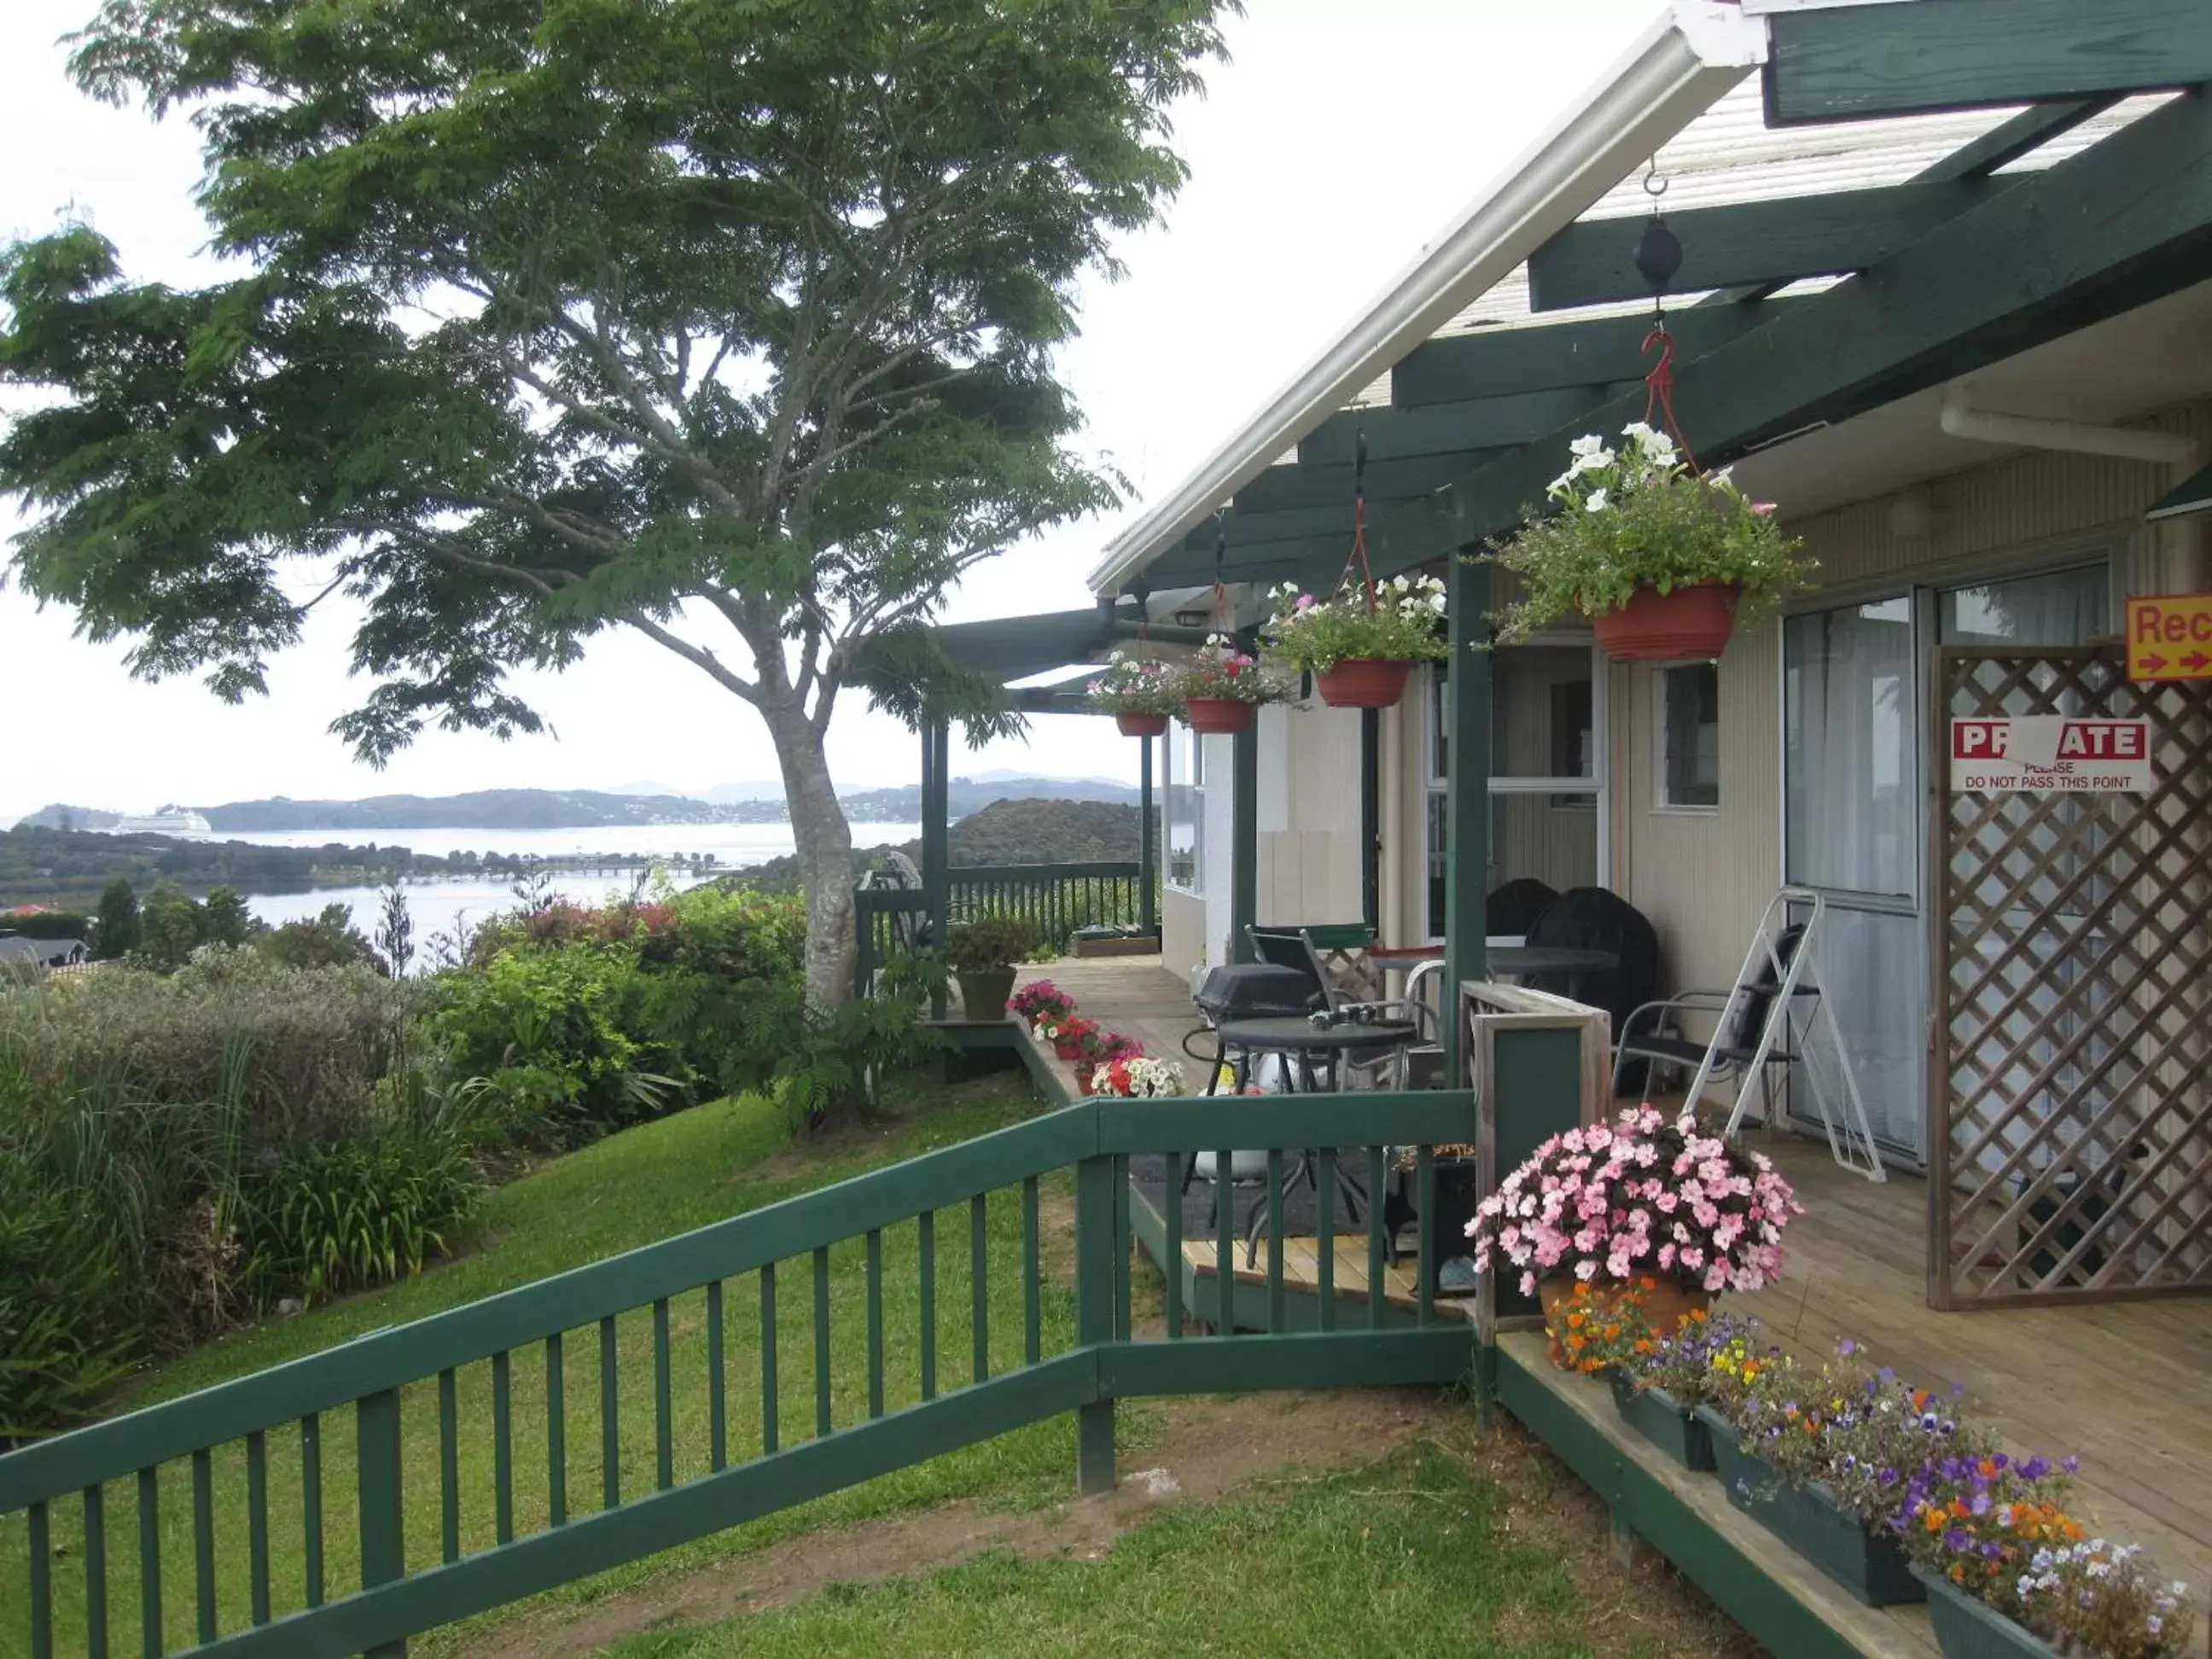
(109, 1536)
(1058, 898)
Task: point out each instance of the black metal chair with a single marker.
(1734, 1044)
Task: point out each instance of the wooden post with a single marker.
(936, 847)
(1467, 797)
(1147, 833)
(1371, 821)
(1243, 838)
(1095, 1270)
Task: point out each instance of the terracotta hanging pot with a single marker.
(1217, 714)
(1363, 683)
(1664, 1306)
(1655, 627)
(1086, 1077)
(1142, 725)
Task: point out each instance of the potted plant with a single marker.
(2078, 1596)
(1662, 558)
(1138, 1077)
(1139, 692)
(1098, 1049)
(1829, 1456)
(1644, 1197)
(982, 955)
(1040, 1002)
(1359, 644)
(1220, 686)
(1667, 1375)
(1069, 1034)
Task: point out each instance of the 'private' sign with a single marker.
(2052, 754)
(2170, 637)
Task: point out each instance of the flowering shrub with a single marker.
(1136, 685)
(1395, 621)
(1220, 670)
(1639, 1195)
(1140, 1077)
(1621, 519)
(1069, 1031)
(2102, 1599)
(1040, 1001)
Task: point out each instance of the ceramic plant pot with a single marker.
(983, 994)
(1217, 716)
(1655, 627)
(1142, 725)
(1363, 683)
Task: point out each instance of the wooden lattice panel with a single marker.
(2070, 1103)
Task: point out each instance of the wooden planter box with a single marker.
(1969, 1629)
(1665, 1422)
(1141, 944)
(1807, 1518)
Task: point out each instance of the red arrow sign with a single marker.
(2153, 664)
(2195, 661)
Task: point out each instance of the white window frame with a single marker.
(1660, 802)
(1178, 737)
(1597, 786)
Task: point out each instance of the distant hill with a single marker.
(587, 809)
(1002, 832)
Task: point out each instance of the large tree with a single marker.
(729, 322)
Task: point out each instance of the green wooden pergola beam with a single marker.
(1850, 63)
(1593, 261)
(2006, 142)
(2123, 222)
(1289, 489)
(1195, 566)
(1442, 428)
(1501, 361)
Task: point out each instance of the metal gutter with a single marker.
(1695, 51)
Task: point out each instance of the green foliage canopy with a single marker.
(697, 317)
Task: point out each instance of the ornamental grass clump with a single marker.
(1638, 516)
(1392, 621)
(1643, 1195)
(1136, 685)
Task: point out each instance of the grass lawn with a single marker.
(1412, 1556)
(700, 1166)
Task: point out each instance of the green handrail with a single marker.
(60, 1486)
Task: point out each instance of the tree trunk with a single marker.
(823, 843)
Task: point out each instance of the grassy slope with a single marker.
(701, 1166)
(1415, 1557)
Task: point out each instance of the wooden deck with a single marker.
(2125, 1386)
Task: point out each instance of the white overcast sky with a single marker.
(1341, 134)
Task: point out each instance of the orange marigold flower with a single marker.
(1575, 1321)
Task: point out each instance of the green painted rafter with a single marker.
(2123, 222)
(1441, 428)
(1290, 487)
(1593, 262)
(1496, 362)
(1848, 63)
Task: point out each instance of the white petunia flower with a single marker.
(1596, 501)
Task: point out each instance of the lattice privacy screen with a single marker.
(2072, 935)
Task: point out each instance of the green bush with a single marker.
(333, 1218)
(64, 1340)
(990, 942)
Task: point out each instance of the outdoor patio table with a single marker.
(1301, 1043)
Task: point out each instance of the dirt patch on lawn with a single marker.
(1205, 1449)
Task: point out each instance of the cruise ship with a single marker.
(169, 821)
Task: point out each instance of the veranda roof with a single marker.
(1906, 190)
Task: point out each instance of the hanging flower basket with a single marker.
(1360, 645)
(1363, 683)
(1217, 714)
(1220, 687)
(1655, 627)
(1139, 692)
(1662, 558)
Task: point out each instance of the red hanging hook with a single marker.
(1659, 391)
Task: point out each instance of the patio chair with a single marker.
(1762, 1021)
(1308, 950)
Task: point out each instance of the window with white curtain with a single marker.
(1186, 809)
